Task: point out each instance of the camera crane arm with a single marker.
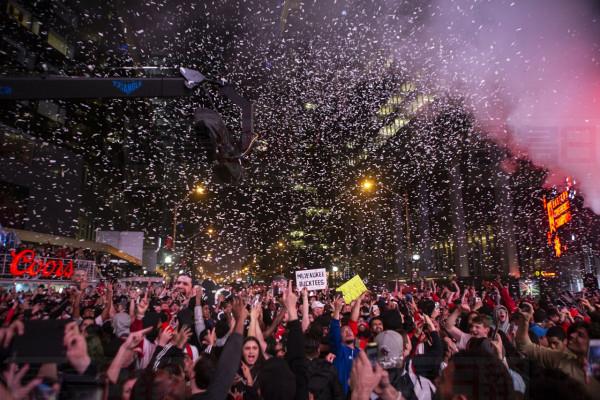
(66, 87)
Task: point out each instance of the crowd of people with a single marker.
(431, 340)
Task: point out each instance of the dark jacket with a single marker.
(428, 364)
(295, 358)
(226, 368)
(323, 380)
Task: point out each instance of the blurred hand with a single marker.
(165, 336)
(338, 304)
(256, 311)
(7, 334)
(142, 306)
(211, 337)
(289, 297)
(77, 352)
(247, 374)
(497, 343)
(364, 378)
(12, 377)
(238, 308)
(182, 336)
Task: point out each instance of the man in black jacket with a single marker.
(322, 375)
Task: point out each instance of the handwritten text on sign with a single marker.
(352, 289)
(311, 279)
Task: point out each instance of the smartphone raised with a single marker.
(594, 358)
(41, 342)
(372, 352)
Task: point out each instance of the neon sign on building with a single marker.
(558, 211)
(25, 262)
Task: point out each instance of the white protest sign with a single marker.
(311, 279)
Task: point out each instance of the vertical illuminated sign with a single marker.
(558, 211)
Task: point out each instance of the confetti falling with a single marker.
(396, 90)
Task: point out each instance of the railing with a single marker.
(88, 265)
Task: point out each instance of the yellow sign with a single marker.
(352, 289)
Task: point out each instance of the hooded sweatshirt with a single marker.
(502, 326)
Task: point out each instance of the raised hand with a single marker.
(7, 334)
(240, 313)
(247, 375)
(77, 352)
(211, 337)
(182, 336)
(142, 306)
(364, 378)
(165, 336)
(12, 378)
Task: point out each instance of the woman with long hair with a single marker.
(244, 385)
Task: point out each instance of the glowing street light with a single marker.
(280, 244)
(335, 269)
(199, 190)
(416, 257)
(168, 260)
(367, 185)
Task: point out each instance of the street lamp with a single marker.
(367, 185)
(200, 190)
(416, 257)
(168, 260)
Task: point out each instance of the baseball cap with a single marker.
(390, 346)
(317, 304)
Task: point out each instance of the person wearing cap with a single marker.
(392, 355)
(317, 308)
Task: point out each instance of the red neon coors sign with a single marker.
(34, 266)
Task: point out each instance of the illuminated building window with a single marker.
(391, 129)
(407, 87)
(58, 43)
(385, 110)
(35, 27)
(395, 100)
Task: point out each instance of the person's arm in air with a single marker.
(355, 314)
(231, 356)
(254, 327)
(506, 298)
(450, 326)
(199, 325)
(77, 305)
(269, 331)
(108, 303)
(436, 349)
(545, 356)
(335, 330)
(305, 310)
(295, 344)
